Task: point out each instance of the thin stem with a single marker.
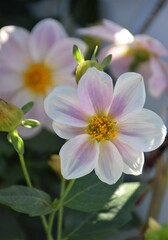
(29, 184)
(50, 224)
(24, 169)
(60, 211)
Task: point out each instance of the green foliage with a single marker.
(77, 55)
(103, 224)
(26, 200)
(27, 107)
(90, 194)
(159, 234)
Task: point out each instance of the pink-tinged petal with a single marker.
(21, 97)
(66, 131)
(78, 157)
(46, 33)
(107, 30)
(60, 56)
(62, 78)
(95, 90)
(63, 106)
(151, 44)
(121, 60)
(99, 31)
(120, 35)
(145, 131)
(129, 95)
(14, 51)
(158, 81)
(109, 166)
(10, 80)
(133, 160)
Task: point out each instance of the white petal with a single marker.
(14, 50)
(60, 56)
(78, 157)
(95, 91)
(46, 33)
(145, 131)
(10, 80)
(66, 131)
(63, 106)
(109, 167)
(105, 31)
(133, 160)
(158, 81)
(22, 97)
(151, 44)
(62, 78)
(129, 95)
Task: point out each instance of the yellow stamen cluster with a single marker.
(102, 128)
(38, 77)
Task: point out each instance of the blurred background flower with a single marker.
(31, 64)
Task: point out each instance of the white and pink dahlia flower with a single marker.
(33, 63)
(107, 130)
(140, 53)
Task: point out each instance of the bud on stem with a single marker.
(10, 116)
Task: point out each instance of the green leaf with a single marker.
(26, 200)
(27, 107)
(77, 55)
(90, 194)
(16, 141)
(103, 224)
(106, 61)
(159, 234)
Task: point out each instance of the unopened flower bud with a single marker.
(83, 66)
(10, 116)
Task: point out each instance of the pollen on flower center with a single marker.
(38, 77)
(102, 128)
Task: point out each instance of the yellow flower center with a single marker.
(102, 128)
(38, 78)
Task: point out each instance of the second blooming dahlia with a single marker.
(140, 53)
(33, 63)
(107, 130)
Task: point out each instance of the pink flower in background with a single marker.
(33, 63)
(140, 53)
(107, 130)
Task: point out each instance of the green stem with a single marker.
(29, 184)
(24, 169)
(60, 211)
(50, 224)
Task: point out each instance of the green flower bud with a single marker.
(83, 66)
(10, 116)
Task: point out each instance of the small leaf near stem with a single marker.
(27, 107)
(77, 55)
